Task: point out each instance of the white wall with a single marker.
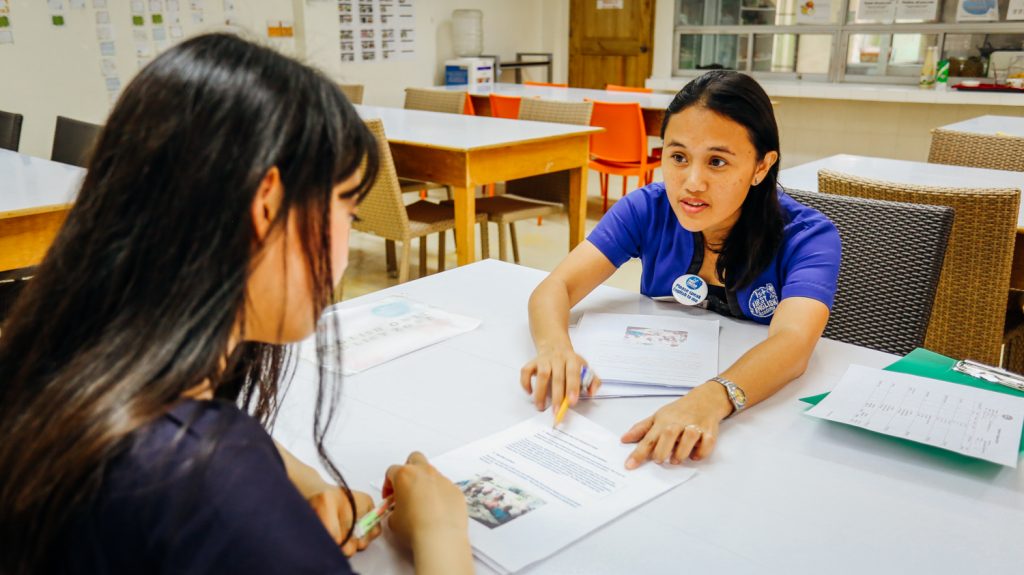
(52, 71)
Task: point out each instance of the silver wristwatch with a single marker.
(736, 394)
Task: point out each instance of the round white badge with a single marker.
(689, 289)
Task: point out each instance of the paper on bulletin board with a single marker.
(917, 11)
(814, 12)
(876, 11)
(1015, 11)
(375, 30)
(5, 7)
(977, 11)
(611, 4)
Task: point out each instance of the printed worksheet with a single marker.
(968, 420)
(533, 489)
(651, 350)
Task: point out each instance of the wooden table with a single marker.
(783, 492)
(466, 151)
(805, 177)
(35, 196)
(652, 105)
(990, 126)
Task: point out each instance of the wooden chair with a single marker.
(73, 141)
(354, 92)
(977, 150)
(384, 214)
(874, 235)
(968, 318)
(10, 130)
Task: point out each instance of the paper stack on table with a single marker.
(647, 355)
(533, 489)
(974, 422)
(380, 331)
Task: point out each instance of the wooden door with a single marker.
(610, 42)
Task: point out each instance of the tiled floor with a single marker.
(541, 247)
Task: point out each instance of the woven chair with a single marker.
(383, 213)
(874, 235)
(73, 141)
(10, 130)
(354, 92)
(968, 317)
(431, 101)
(977, 150)
(536, 196)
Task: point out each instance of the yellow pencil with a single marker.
(586, 377)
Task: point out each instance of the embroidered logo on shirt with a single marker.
(763, 301)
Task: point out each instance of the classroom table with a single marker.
(652, 105)
(990, 126)
(35, 196)
(465, 151)
(805, 177)
(783, 492)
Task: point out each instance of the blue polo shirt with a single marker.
(643, 225)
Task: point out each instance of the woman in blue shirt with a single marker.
(138, 368)
(720, 215)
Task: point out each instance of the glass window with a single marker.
(888, 55)
(706, 51)
(728, 12)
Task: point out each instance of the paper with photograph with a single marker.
(650, 350)
(533, 489)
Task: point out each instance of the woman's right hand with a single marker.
(427, 504)
(558, 369)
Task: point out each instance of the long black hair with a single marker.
(137, 299)
(755, 238)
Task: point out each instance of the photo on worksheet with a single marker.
(494, 501)
(652, 336)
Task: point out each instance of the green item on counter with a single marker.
(942, 74)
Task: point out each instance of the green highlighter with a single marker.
(372, 519)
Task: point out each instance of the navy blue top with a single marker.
(643, 225)
(167, 505)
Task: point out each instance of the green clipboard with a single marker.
(926, 363)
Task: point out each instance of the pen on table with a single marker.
(373, 518)
(586, 378)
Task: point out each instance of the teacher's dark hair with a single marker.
(754, 240)
(138, 298)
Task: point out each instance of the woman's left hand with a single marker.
(687, 427)
(334, 511)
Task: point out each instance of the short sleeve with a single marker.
(812, 262)
(619, 234)
(250, 519)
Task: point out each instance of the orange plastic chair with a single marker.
(548, 84)
(505, 106)
(468, 107)
(617, 88)
(621, 149)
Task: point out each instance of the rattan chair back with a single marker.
(977, 150)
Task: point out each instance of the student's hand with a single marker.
(684, 428)
(335, 513)
(429, 509)
(559, 370)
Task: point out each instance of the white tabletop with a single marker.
(463, 132)
(29, 183)
(990, 126)
(805, 176)
(783, 492)
(649, 101)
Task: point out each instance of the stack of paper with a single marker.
(533, 490)
(647, 355)
(383, 330)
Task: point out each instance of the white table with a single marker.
(465, 151)
(35, 195)
(990, 126)
(652, 105)
(805, 176)
(783, 493)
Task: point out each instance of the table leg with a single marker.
(577, 206)
(465, 219)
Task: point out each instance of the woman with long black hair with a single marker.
(721, 219)
(137, 367)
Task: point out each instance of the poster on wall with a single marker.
(6, 33)
(917, 11)
(376, 30)
(814, 12)
(876, 11)
(977, 11)
(1016, 10)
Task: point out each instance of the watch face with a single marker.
(737, 395)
